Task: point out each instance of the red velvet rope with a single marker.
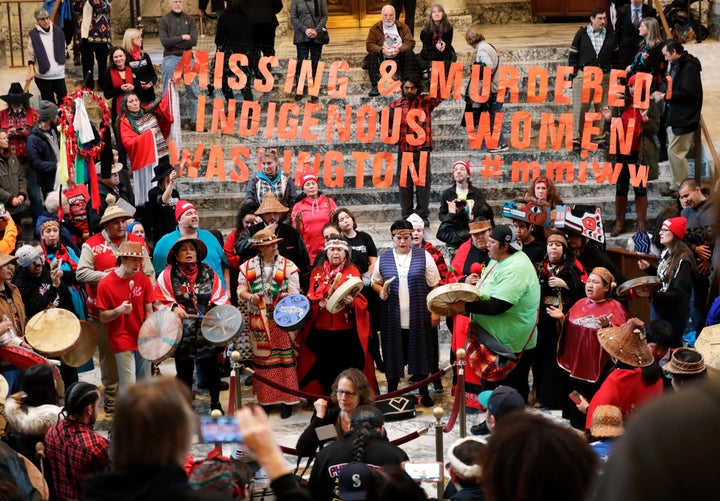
(456, 405)
(385, 396)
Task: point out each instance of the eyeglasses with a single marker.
(341, 393)
(664, 229)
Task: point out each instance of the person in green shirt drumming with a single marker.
(510, 298)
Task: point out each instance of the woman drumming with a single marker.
(331, 342)
(308, 18)
(436, 37)
(143, 132)
(579, 351)
(144, 76)
(675, 270)
(189, 287)
(53, 249)
(350, 390)
(406, 321)
(311, 212)
(562, 283)
(263, 281)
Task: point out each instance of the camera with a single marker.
(460, 203)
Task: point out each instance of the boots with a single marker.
(620, 207)
(641, 206)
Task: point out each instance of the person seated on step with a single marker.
(389, 39)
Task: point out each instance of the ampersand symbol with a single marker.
(387, 84)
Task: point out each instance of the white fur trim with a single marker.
(30, 420)
(470, 472)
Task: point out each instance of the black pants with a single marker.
(409, 6)
(518, 377)
(263, 44)
(408, 66)
(422, 193)
(209, 368)
(52, 90)
(88, 51)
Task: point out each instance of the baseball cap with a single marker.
(26, 255)
(502, 400)
(506, 234)
(352, 481)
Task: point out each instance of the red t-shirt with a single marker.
(112, 291)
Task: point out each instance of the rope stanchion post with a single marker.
(460, 393)
(237, 369)
(439, 445)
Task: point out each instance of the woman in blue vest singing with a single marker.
(402, 279)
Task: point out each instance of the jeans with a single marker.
(309, 48)
(168, 68)
(422, 193)
(131, 368)
(34, 195)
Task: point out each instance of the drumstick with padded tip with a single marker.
(387, 283)
(476, 268)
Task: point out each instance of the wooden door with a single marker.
(354, 13)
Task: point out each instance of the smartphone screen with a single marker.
(575, 397)
(424, 472)
(222, 430)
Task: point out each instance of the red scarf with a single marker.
(189, 271)
(118, 81)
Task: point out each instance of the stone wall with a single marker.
(499, 11)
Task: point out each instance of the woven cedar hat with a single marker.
(266, 236)
(130, 249)
(627, 344)
(113, 211)
(685, 361)
(607, 421)
(270, 204)
(479, 226)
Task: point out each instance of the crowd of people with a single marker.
(545, 299)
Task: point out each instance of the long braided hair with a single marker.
(367, 421)
(79, 395)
